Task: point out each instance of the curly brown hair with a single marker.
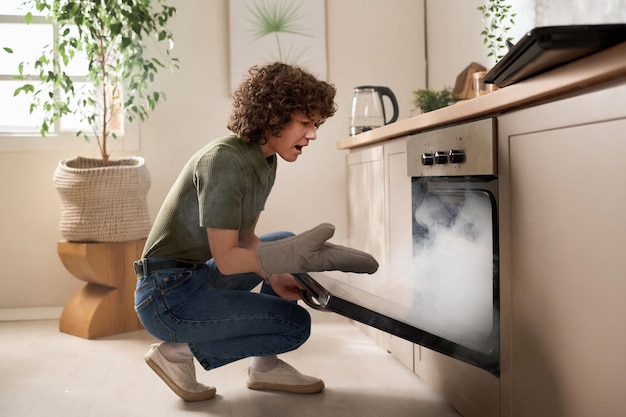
(268, 98)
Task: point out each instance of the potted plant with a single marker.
(429, 100)
(123, 44)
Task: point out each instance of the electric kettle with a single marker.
(368, 109)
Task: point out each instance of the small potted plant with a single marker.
(429, 100)
(124, 44)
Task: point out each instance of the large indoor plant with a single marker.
(123, 44)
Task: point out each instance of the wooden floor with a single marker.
(47, 373)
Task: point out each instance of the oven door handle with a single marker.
(310, 300)
(312, 293)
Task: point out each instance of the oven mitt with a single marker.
(309, 252)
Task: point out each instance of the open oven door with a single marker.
(329, 292)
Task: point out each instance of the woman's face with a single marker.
(293, 138)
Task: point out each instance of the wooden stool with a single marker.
(104, 306)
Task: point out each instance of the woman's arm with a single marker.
(236, 253)
(248, 238)
(232, 255)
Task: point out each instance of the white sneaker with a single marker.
(179, 376)
(284, 377)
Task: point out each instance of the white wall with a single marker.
(454, 26)
(378, 42)
(454, 39)
(573, 12)
(369, 42)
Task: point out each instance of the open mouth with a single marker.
(299, 147)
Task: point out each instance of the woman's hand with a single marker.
(310, 252)
(286, 286)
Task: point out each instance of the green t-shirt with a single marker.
(224, 185)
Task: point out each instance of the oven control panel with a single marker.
(453, 156)
(467, 149)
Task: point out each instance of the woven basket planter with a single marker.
(103, 204)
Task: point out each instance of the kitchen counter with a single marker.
(603, 67)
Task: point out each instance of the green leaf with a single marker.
(26, 88)
(116, 29)
(499, 18)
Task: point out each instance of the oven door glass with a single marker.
(449, 302)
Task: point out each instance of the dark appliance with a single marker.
(547, 47)
(449, 302)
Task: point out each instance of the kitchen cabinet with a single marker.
(366, 217)
(563, 233)
(366, 204)
(397, 231)
(379, 222)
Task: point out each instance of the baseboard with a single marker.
(34, 313)
(54, 313)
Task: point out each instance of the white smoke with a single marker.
(452, 270)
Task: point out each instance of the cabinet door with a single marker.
(379, 221)
(366, 218)
(398, 235)
(366, 204)
(563, 235)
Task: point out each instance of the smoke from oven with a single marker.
(452, 269)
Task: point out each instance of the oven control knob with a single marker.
(428, 159)
(441, 157)
(456, 156)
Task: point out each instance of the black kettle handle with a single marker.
(386, 91)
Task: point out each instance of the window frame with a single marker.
(60, 140)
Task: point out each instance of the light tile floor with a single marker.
(45, 373)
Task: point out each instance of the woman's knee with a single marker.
(302, 318)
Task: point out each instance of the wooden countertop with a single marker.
(603, 67)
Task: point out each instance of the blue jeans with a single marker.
(217, 315)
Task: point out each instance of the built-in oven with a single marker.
(449, 298)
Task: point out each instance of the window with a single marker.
(24, 40)
(19, 129)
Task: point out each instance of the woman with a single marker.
(203, 257)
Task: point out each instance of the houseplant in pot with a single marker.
(122, 45)
(428, 100)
